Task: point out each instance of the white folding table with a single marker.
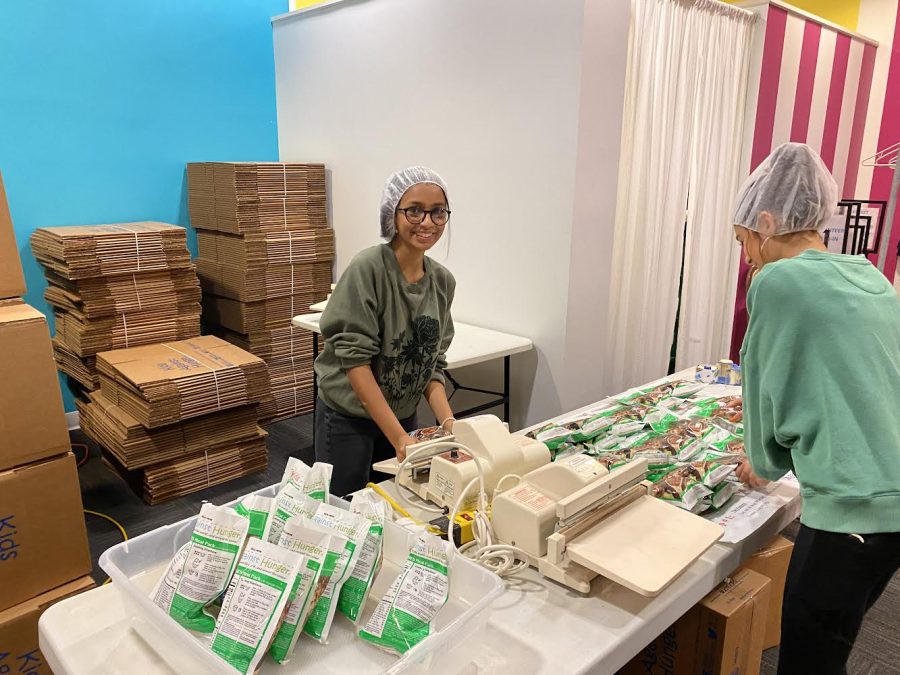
(537, 626)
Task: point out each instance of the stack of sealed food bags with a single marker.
(177, 417)
(116, 286)
(266, 255)
(285, 567)
(692, 442)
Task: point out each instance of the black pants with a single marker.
(832, 582)
(352, 445)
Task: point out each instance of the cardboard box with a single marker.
(732, 626)
(12, 281)
(43, 542)
(32, 423)
(173, 381)
(672, 653)
(86, 251)
(263, 283)
(136, 447)
(254, 317)
(772, 561)
(19, 651)
(722, 635)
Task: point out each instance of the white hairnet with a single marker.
(397, 185)
(794, 185)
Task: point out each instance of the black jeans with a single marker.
(832, 581)
(352, 445)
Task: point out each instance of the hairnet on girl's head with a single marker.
(397, 185)
(794, 185)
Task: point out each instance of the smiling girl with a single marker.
(387, 327)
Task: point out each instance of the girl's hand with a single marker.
(745, 473)
(400, 446)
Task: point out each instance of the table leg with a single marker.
(315, 354)
(506, 389)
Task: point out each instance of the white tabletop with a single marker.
(471, 344)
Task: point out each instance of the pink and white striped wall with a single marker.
(814, 83)
(814, 87)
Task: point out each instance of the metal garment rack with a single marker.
(858, 227)
(887, 158)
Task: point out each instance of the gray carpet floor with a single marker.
(877, 650)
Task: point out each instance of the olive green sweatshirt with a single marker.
(376, 317)
(821, 373)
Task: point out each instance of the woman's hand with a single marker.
(745, 473)
(400, 446)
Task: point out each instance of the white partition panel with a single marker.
(491, 95)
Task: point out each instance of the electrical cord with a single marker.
(501, 559)
(87, 453)
(114, 522)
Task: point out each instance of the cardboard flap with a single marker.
(79, 231)
(16, 311)
(176, 360)
(12, 281)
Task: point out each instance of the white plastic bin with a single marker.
(135, 566)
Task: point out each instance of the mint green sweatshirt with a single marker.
(821, 373)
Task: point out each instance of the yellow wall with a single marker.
(842, 12)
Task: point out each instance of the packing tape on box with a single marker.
(125, 327)
(137, 291)
(137, 243)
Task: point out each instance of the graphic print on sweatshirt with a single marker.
(406, 368)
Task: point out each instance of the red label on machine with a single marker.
(459, 457)
(530, 497)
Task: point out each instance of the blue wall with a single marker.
(102, 102)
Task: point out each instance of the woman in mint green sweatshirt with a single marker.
(387, 327)
(821, 373)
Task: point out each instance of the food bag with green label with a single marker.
(712, 472)
(322, 549)
(295, 472)
(202, 567)
(731, 444)
(552, 435)
(354, 528)
(722, 494)
(318, 482)
(291, 501)
(684, 488)
(257, 509)
(403, 617)
(257, 597)
(356, 589)
(595, 425)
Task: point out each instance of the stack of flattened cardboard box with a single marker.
(266, 255)
(44, 554)
(116, 286)
(178, 417)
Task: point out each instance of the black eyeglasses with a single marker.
(416, 215)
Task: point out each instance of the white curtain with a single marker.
(682, 60)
